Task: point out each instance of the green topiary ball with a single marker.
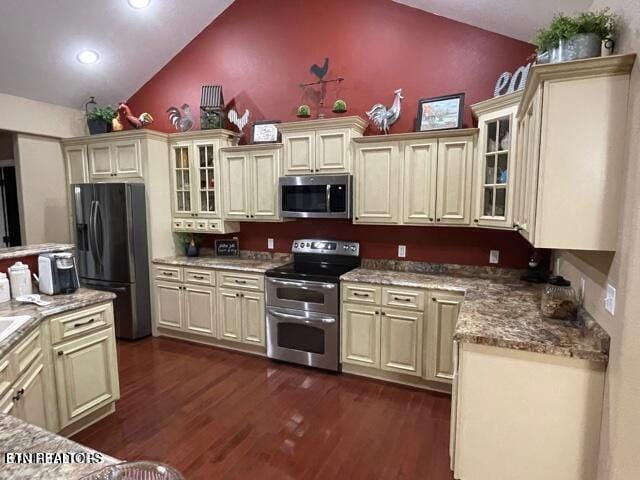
(304, 111)
(339, 106)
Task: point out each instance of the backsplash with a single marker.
(442, 269)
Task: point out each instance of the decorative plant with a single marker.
(340, 106)
(304, 111)
(563, 27)
(187, 238)
(106, 114)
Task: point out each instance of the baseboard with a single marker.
(213, 342)
(407, 380)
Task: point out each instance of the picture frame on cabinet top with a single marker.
(440, 113)
(265, 131)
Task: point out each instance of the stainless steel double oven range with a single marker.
(303, 303)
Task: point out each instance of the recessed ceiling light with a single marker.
(88, 57)
(139, 3)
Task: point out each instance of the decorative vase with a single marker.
(581, 45)
(192, 250)
(97, 126)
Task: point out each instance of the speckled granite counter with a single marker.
(28, 250)
(17, 436)
(82, 297)
(501, 312)
(220, 263)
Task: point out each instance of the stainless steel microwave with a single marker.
(316, 196)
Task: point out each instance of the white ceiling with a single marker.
(514, 18)
(40, 39)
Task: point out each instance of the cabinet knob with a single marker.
(433, 299)
(437, 219)
(475, 220)
(60, 353)
(237, 294)
(357, 218)
(383, 313)
(431, 219)
(377, 312)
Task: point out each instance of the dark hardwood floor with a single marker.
(215, 414)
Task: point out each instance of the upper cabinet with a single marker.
(250, 182)
(572, 122)
(496, 168)
(196, 179)
(320, 146)
(415, 178)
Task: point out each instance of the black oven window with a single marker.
(301, 337)
(299, 295)
(338, 198)
(304, 198)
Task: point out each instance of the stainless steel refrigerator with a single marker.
(111, 243)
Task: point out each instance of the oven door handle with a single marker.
(302, 319)
(301, 285)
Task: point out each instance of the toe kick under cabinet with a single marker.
(399, 334)
(218, 307)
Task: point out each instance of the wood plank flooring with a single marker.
(216, 414)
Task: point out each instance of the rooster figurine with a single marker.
(135, 122)
(182, 121)
(384, 117)
(320, 71)
(239, 121)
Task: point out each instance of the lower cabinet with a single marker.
(405, 340)
(189, 308)
(86, 375)
(241, 316)
(169, 308)
(30, 398)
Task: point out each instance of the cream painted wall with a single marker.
(41, 189)
(620, 437)
(39, 118)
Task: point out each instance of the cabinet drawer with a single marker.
(6, 375)
(80, 322)
(202, 225)
(189, 224)
(27, 351)
(178, 224)
(215, 226)
(240, 280)
(361, 293)
(403, 298)
(168, 273)
(200, 277)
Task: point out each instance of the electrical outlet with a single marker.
(270, 243)
(402, 251)
(494, 256)
(610, 300)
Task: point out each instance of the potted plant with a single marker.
(191, 243)
(99, 120)
(575, 37)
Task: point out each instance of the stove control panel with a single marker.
(326, 247)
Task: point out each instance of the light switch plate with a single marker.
(270, 243)
(610, 300)
(494, 256)
(402, 251)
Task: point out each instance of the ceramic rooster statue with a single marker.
(136, 122)
(239, 121)
(181, 120)
(384, 117)
(320, 72)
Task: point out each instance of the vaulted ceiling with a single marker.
(40, 39)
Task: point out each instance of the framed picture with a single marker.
(265, 132)
(227, 248)
(440, 113)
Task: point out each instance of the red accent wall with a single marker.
(261, 50)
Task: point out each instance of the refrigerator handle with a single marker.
(92, 233)
(99, 238)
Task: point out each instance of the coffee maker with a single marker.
(57, 273)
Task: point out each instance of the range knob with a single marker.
(345, 246)
(353, 248)
(295, 245)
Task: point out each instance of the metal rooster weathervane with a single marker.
(384, 117)
(321, 72)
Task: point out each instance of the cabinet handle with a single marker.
(475, 220)
(199, 277)
(437, 219)
(383, 313)
(60, 353)
(402, 299)
(433, 299)
(168, 274)
(356, 294)
(431, 219)
(357, 218)
(80, 324)
(241, 282)
(237, 294)
(377, 312)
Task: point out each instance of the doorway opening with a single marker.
(9, 207)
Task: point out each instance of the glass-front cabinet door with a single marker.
(181, 166)
(206, 180)
(496, 161)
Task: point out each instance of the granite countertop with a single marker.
(18, 436)
(222, 263)
(28, 250)
(502, 312)
(82, 297)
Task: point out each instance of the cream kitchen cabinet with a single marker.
(401, 341)
(320, 146)
(250, 182)
(496, 169)
(414, 179)
(185, 300)
(116, 159)
(443, 310)
(196, 181)
(241, 316)
(30, 399)
(569, 156)
(360, 335)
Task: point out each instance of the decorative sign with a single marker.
(227, 248)
(508, 83)
(265, 132)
